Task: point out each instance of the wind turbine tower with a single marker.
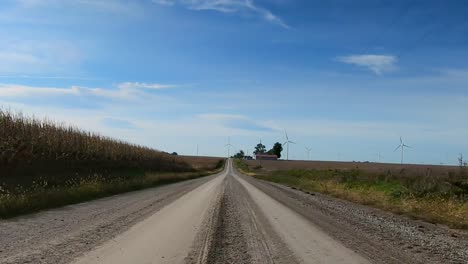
(402, 146)
(287, 142)
(228, 145)
(308, 152)
(379, 157)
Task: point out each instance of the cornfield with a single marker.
(32, 146)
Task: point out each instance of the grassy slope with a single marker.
(439, 205)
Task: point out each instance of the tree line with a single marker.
(261, 149)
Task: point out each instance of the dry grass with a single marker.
(437, 198)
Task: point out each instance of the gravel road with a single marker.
(225, 218)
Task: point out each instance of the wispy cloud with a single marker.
(138, 85)
(118, 123)
(47, 77)
(238, 122)
(227, 6)
(124, 91)
(376, 63)
(14, 90)
(116, 6)
(27, 56)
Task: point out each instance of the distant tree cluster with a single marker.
(261, 149)
(275, 150)
(239, 155)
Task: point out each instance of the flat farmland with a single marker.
(370, 167)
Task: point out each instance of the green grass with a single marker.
(439, 201)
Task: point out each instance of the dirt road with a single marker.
(225, 218)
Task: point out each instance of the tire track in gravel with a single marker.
(240, 232)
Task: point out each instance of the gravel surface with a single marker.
(226, 218)
(243, 234)
(60, 235)
(381, 236)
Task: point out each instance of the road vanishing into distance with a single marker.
(225, 218)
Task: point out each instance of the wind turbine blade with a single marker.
(397, 148)
(406, 146)
(286, 134)
(292, 142)
(285, 143)
(401, 140)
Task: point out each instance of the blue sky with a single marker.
(346, 78)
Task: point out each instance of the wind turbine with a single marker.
(287, 142)
(379, 157)
(228, 145)
(308, 152)
(402, 146)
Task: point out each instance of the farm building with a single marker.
(265, 157)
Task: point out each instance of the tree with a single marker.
(276, 150)
(239, 155)
(260, 149)
(460, 160)
(174, 153)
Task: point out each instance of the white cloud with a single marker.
(221, 117)
(13, 90)
(376, 63)
(117, 6)
(227, 6)
(239, 122)
(124, 91)
(138, 85)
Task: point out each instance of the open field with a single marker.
(436, 194)
(372, 167)
(43, 165)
